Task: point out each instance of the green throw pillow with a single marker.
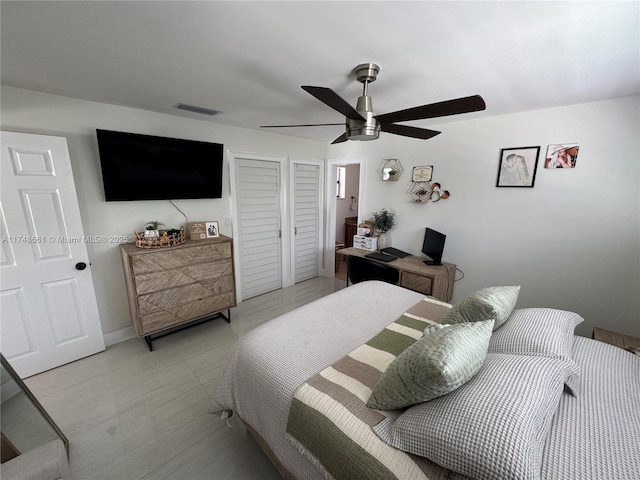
(495, 303)
(435, 365)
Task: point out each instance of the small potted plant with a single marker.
(383, 221)
(153, 229)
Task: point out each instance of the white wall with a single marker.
(32, 112)
(572, 241)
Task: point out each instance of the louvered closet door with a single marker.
(258, 183)
(306, 220)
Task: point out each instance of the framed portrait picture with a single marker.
(422, 174)
(517, 167)
(212, 230)
(561, 156)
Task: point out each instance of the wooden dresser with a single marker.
(173, 286)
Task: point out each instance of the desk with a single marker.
(415, 275)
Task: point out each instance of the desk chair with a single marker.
(360, 269)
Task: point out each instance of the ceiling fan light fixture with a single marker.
(363, 133)
(369, 129)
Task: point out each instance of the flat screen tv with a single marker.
(145, 167)
(433, 246)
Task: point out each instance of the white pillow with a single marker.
(537, 331)
(494, 426)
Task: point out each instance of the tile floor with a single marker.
(134, 414)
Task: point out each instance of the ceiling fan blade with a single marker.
(307, 125)
(340, 139)
(441, 109)
(408, 131)
(335, 101)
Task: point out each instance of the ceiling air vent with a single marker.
(195, 109)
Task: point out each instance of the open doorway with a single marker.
(345, 205)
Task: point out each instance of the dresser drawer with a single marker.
(204, 274)
(171, 317)
(161, 261)
(417, 283)
(173, 297)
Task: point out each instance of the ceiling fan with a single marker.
(362, 124)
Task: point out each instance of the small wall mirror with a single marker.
(24, 424)
(390, 170)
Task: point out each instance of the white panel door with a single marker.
(306, 221)
(49, 315)
(259, 216)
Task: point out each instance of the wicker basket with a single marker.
(161, 241)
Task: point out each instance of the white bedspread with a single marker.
(596, 435)
(272, 361)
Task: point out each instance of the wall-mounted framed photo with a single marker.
(212, 230)
(561, 156)
(517, 167)
(422, 174)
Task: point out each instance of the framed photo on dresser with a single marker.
(212, 230)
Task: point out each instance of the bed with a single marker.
(542, 403)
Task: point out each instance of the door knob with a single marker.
(81, 266)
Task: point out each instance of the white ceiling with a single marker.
(249, 59)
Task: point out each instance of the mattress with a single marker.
(593, 435)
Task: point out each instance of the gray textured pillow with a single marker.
(435, 365)
(495, 303)
(495, 426)
(537, 331)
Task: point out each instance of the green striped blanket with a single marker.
(329, 422)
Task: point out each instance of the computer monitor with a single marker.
(433, 246)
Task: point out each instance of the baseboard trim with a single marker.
(118, 336)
